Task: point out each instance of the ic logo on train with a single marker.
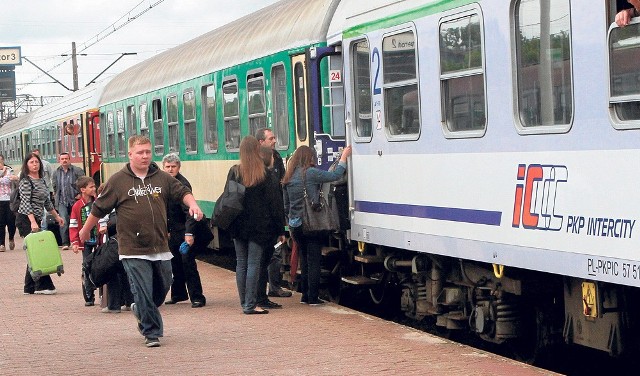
(535, 197)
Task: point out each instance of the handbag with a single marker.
(202, 233)
(230, 203)
(318, 216)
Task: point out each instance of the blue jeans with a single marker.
(310, 250)
(150, 282)
(64, 211)
(248, 257)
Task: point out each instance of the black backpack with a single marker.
(103, 263)
(14, 198)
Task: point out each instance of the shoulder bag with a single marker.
(230, 203)
(317, 216)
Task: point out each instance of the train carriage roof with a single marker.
(284, 25)
(79, 101)
(17, 124)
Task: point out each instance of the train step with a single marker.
(369, 259)
(329, 250)
(323, 272)
(359, 280)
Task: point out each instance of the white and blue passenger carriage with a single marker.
(494, 145)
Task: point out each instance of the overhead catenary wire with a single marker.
(115, 26)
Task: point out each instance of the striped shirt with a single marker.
(34, 201)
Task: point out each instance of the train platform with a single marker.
(58, 335)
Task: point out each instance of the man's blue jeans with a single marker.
(248, 256)
(64, 211)
(150, 281)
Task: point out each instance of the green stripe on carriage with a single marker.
(410, 15)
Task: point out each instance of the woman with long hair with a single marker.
(259, 224)
(34, 199)
(7, 218)
(301, 167)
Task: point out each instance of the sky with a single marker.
(45, 29)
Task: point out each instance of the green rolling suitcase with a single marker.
(43, 254)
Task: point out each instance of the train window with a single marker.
(255, 102)
(189, 116)
(231, 115)
(158, 130)
(543, 56)
(51, 149)
(172, 122)
(122, 147)
(79, 143)
(301, 110)
(58, 136)
(624, 83)
(65, 138)
(111, 135)
(400, 85)
(71, 140)
(280, 105)
(131, 120)
(79, 138)
(462, 76)
(209, 119)
(361, 72)
(144, 127)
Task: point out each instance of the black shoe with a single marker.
(198, 304)
(256, 312)
(174, 301)
(316, 302)
(270, 305)
(280, 294)
(151, 342)
(89, 304)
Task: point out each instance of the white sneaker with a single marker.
(45, 292)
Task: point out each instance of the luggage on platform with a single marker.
(43, 254)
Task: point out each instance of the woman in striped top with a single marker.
(34, 199)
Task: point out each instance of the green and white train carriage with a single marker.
(200, 98)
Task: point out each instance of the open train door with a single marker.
(299, 74)
(91, 145)
(326, 103)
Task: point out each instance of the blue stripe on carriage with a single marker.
(483, 217)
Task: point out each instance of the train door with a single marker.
(92, 157)
(301, 119)
(326, 103)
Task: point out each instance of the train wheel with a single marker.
(538, 341)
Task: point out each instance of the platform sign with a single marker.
(10, 56)
(7, 85)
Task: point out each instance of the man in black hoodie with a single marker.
(186, 279)
(140, 193)
(273, 257)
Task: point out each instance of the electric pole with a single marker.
(74, 62)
